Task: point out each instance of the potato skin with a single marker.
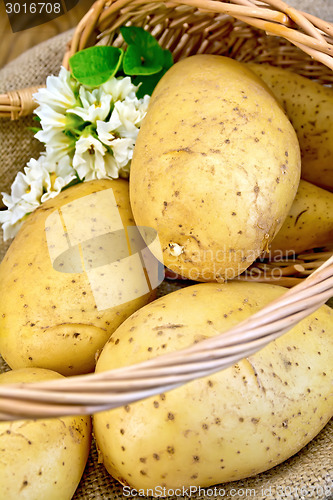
(49, 318)
(42, 459)
(215, 169)
(227, 426)
(309, 223)
(309, 106)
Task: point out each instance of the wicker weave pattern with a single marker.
(198, 17)
(186, 30)
(205, 26)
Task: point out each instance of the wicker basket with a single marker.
(240, 29)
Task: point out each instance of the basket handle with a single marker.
(18, 103)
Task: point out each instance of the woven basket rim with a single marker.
(274, 17)
(91, 393)
(58, 397)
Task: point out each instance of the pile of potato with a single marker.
(216, 174)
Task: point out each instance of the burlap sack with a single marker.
(309, 474)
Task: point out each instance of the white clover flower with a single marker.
(92, 160)
(60, 92)
(51, 119)
(122, 150)
(24, 199)
(79, 142)
(95, 105)
(28, 186)
(54, 101)
(12, 221)
(125, 119)
(119, 88)
(58, 145)
(120, 132)
(42, 179)
(104, 131)
(62, 175)
(56, 175)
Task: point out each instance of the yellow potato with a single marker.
(309, 223)
(66, 283)
(309, 106)
(42, 459)
(223, 427)
(215, 169)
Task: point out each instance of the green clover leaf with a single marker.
(144, 60)
(135, 64)
(96, 65)
(144, 56)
